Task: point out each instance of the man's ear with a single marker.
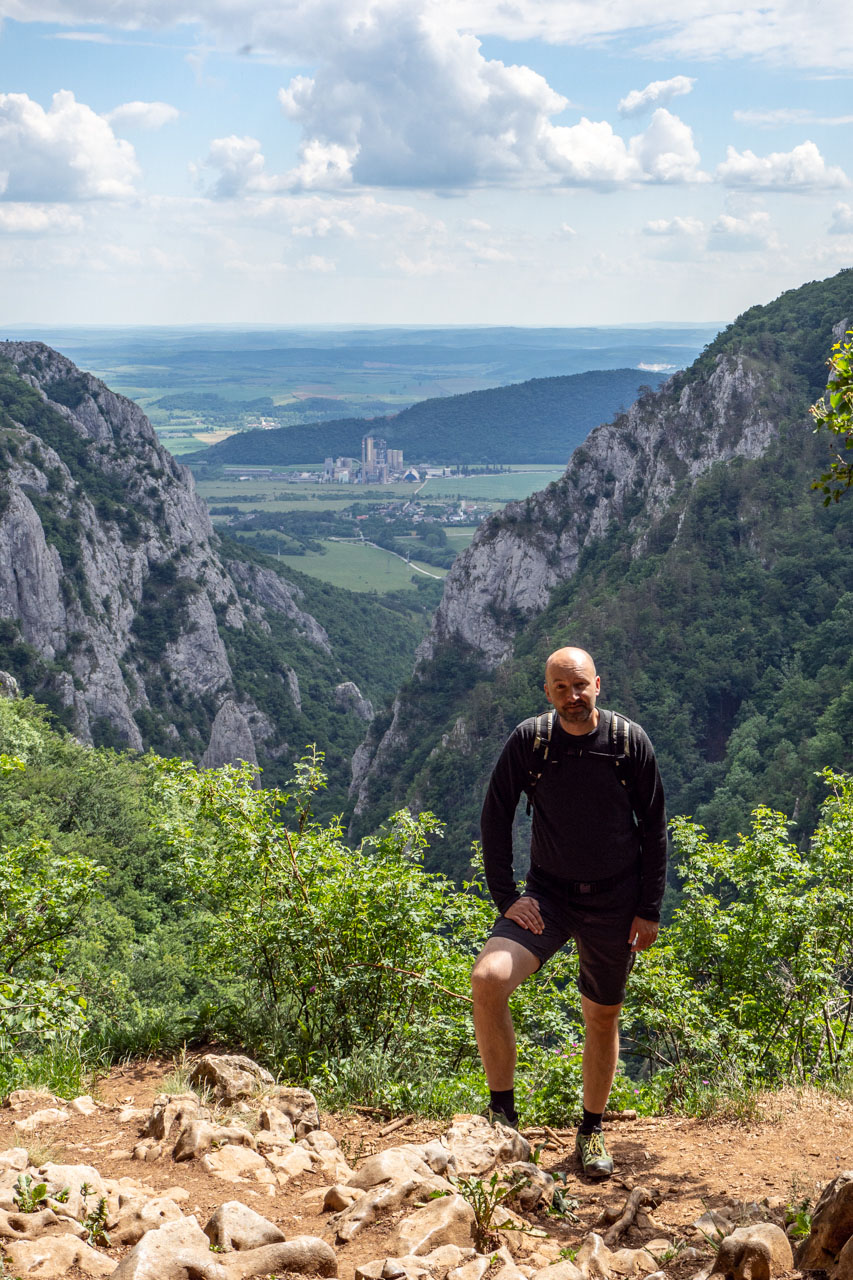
(547, 694)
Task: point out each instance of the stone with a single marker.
(53, 1257)
(14, 1158)
(447, 1255)
(843, 1269)
(238, 1164)
(832, 1225)
(236, 1226)
(756, 1252)
(714, 1225)
(175, 1251)
(273, 1120)
(392, 1269)
(632, 1262)
(43, 1119)
(73, 1178)
(20, 1099)
(593, 1258)
(304, 1255)
(395, 1164)
(173, 1111)
(477, 1146)
(338, 1198)
(28, 1226)
(299, 1105)
(364, 1210)
(135, 1216)
(565, 1269)
(230, 1076)
(84, 1105)
(477, 1267)
(199, 1136)
(289, 1163)
(536, 1186)
(447, 1220)
(326, 1156)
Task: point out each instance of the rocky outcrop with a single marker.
(111, 573)
(625, 476)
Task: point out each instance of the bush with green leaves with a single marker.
(835, 413)
(346, 966)
(41, 895)
(751, 982)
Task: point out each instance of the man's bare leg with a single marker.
(501, 966)
(600, 1052)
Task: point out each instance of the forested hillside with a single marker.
(124, 612)
(686, 550)
(537, 421)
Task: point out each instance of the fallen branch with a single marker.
(395, 1125)
(638, 1199)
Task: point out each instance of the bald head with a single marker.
(570, 657)
(572, 685)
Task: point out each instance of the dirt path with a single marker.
(802, 1142)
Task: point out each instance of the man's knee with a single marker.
(600, 1017)
(499, 969)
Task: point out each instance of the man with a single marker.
(597, 875)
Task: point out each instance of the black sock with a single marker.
(503, 1100)
(591, 1121)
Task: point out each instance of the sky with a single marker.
(531, 162)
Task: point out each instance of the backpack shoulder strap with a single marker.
(623, 760)
(539, 754)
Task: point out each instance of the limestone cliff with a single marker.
(673, 537)
(113, 590)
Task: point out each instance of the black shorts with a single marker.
(599, 923)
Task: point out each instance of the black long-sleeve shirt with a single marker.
(583, 825)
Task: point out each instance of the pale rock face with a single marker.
(349, 697)
(517, 558)
(832, 1228)
(85, 618)
(230, 738)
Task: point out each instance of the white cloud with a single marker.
(654, 95)
(785, 32)
(567, 231)
(142, 115)
(317, 263)
(842, 220)
(325, 227)
(66, 153)
(239, 163)
(665, 152)
(408, 101)
(674, 227)
(739, 234)
(35, 219)
(777, 117)
(801, 169)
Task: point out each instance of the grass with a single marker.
(497, 488)
(59, 1069)
(359, 567)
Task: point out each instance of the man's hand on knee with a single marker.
(525, 911)
(642, 933)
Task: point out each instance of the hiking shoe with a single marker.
(592, 1153)
(500, 1117)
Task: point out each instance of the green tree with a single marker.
(835, 413)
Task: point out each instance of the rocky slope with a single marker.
(117, 604)
(153, 1180)
(630, 486)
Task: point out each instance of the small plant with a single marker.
(95, 1223)
(485, 1198)
(566, 1254)
(798, 1212)
(27, 1197)
(670, 1254)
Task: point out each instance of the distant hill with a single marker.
(542, 420)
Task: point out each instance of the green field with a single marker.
(492, 488)
(359, 567)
